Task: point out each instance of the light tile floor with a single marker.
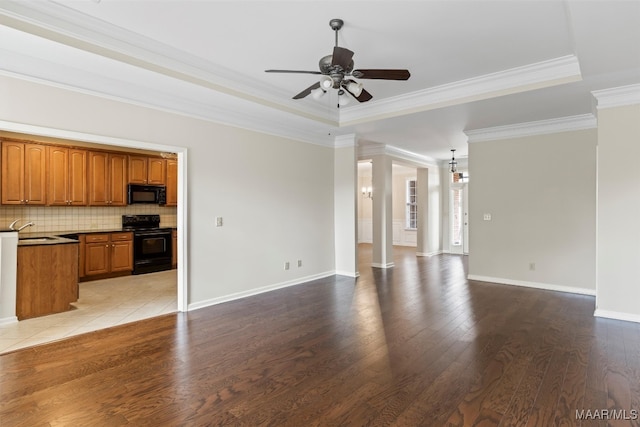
(102, 303)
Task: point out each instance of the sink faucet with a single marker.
(29, 224)
(13, 224)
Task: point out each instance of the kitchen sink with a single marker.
(37, 239)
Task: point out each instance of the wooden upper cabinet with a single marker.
(157, 174)
(107, 179)
(12, 173)
(98, 179)
(118, 179)
(172, 182)
(137, 170)
(23, 173)
(67, 171)
(147, 170)
(77, 177)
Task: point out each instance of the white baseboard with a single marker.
(429, 253)
(256, 291)
(8, 320)
(535, 285)
(617, 315)
(378, 265)
(348, 273)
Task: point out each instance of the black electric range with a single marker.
(151, 243)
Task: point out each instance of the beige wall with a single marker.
(541, 194)
(618, 292)
(275, 195)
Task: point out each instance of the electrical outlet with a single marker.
(286, 265)
(299, 263)
(532, 266)
(218, 221)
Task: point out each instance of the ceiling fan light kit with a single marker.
(334, 70)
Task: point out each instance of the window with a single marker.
(412, 205)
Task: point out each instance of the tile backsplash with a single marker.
(75, 218)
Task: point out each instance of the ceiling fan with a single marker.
(336, 70)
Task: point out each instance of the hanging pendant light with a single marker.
(453, 164)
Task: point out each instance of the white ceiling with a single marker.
(474, 64)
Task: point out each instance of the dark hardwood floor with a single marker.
(416, 345)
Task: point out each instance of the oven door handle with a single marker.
(151, 234)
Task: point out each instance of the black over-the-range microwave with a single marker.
(150, 194)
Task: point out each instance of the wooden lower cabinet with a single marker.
(47, 279)
(106, 253)
(121, 252)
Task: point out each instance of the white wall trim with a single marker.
(617, 315)
(348, 274)
(54, 75)
(257, 291)
(366, 151)
(542, 74)
(535, 285)
(378, 265)
(8, 320)
(76, 29)
(343, 141)
(562, 124)
(617, 96)
(430, 253)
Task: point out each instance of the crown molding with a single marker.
(67, 26)
(348, 140)
(617, 96)
(59, 23)
(553, 72)
(563, 124)
(36, 70)
(370, 150)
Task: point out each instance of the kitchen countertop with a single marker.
(57, 237)
(33, 239)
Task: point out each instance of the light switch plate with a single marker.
(487, 217)
(218, 221)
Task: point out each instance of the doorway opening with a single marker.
(177, 217)
(459, 213)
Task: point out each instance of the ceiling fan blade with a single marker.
(381, 74)
(292, 71)
(364, 95)
(307, 91)
(341, 57)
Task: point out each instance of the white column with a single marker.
(345, 206)
(422, 188)
(382, 212)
